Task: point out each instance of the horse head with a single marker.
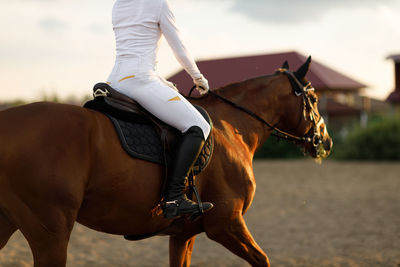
(302, 121)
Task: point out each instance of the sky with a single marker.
(64, 47)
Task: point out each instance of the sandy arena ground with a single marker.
(337, 214)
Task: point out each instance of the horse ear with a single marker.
(285, 65)
(302, 71)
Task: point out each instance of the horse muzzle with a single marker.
(323, 148)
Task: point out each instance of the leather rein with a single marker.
(301, 91)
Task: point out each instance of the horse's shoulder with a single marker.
(232, 148)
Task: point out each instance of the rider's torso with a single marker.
(137, 31)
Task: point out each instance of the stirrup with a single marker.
(171, 209)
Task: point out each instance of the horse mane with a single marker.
(231, 86)
(242, 83)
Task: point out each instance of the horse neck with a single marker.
(261, 96)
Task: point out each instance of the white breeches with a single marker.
(154, 94)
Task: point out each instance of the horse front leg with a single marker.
(180, 251)
(233, 234)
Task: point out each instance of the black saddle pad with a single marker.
(137, 133)
(141, 139)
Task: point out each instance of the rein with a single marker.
(279, 133)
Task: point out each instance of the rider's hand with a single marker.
(201, 85)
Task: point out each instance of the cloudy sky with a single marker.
(65, 46)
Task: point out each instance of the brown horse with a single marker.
(61, 163)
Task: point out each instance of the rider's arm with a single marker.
(173, 37)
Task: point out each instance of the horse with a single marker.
(61, 164)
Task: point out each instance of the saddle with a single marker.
(141, 134)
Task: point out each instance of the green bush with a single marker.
(379, 141)
(278, 149)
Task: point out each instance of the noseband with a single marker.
(299, 90)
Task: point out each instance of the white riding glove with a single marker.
(201, 85)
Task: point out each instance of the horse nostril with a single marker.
(328, 144)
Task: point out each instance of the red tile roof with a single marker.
(395, 58)
(221, 72)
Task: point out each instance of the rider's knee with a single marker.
(206, 128)
(203, 130)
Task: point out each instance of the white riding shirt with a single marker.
(138, 27)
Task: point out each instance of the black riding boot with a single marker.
(175, 202)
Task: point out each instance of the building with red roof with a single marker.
(221, 72)
(340, 99)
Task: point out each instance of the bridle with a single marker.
(299, 90)
(308, 105)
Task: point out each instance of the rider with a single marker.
(138, 26)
